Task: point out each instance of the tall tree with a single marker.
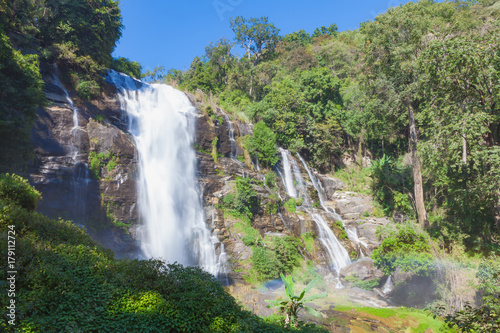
(257, 36)
(393, 42)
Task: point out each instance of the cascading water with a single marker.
(161, 119)
(352, 232)
(300, 184)
(80, 177)
(287, 180)
(337, 254)
(231, 135)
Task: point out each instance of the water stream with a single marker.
(161, 120)
(80, 177)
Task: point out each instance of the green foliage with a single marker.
(291, 205)
(214, 149)
(20, 94)
(17, 191)
(294, 303)
(391, 184)
(66, 282)
(123, 65)
(275, 255)
(343, 233)
(485, 317)
(402, 246)
(308, 238)
(256, 35)
(363, 284)
(270, 179)
(262, 144)
(87, 90)
(101, 160)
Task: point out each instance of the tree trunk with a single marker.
(464, 146)
(417, 173)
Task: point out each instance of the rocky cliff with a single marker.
(86, 170)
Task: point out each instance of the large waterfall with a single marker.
(161, 120)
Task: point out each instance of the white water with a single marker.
(231, 135)
(287, 180)
(388, 286)
(80, 177)
(352, 232)
(161, 119)
(300, 184)
(337, 254)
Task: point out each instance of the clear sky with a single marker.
(171, 33)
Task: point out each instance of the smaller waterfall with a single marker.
(337, 254)
(300, 184)
(388, 286)
(352, 232)
(287, 180)
(231, 135)
(80, 177)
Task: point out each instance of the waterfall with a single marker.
(287, 180)
(161, 120)
(231, 135)
(337, 254)
(316, 184)
(388, 285)
(80, 176)
(352, 232)
(300, 184)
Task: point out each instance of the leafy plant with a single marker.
(405, 248)
(294, 303)
(17, 191)
(363, 284)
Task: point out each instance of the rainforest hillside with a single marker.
(404, 110)
(416, 90)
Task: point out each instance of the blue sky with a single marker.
(171, 33)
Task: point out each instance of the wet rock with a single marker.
(331, 185)
(363, 269)
(352, 206)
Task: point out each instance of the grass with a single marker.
(400, 319)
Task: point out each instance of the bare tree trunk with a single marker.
(417, 173)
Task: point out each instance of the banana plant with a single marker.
(294, 303)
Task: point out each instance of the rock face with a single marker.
(88, 173)
(363, 269)
(96, 192)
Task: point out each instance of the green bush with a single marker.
(276, 255)
(363, 284)
(405, 248)
(88, 90)
(17, 191)
(291, 205)
(270, 179)
(263, 145)
(343, 233)
(67, 283)
(123, 65)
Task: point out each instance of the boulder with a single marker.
(363, 269)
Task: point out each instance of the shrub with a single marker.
(17, 191)
(403, 247)
(88, 90)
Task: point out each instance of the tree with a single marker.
(257, 36)
(459, 83)
(393, 42)
(330, 30)
(263, 144)
(294, 303)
